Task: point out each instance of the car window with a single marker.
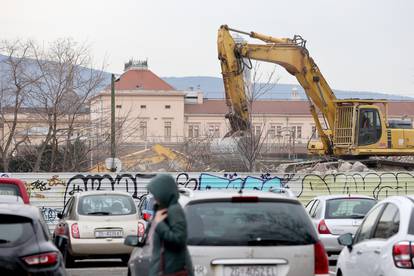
(309, 206)
(389, 223)
(14, 230)
(411, 226)
(365, 230)
(346, 208)
(9, 189)
(314, 208)
(252, 224)
(68, 207)
(106, 205)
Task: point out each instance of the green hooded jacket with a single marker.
(172, 232)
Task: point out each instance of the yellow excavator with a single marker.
(352, 127)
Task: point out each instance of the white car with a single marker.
(384, 242)
(334, 215)
(94, 225)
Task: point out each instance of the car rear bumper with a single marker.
(108, 246)
(332, 247)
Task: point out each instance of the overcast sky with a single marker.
(358, 44)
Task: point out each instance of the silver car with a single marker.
(248, 233)
(334, 215)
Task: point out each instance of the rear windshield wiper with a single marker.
(357, 216)
(99, 213)
(4, 241)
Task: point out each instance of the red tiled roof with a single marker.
(285, 107)
(141, 79)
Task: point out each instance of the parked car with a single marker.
(11, 199)
(334, 215)
(25, 248)
(94, 225)
(145, 212)
(14, 186)
(383, 243)
(244, 233)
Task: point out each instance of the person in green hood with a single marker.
(168, 230)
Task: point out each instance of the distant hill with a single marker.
(212, 88)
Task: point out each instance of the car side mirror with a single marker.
(133, 240)
(59, 215)
(346, 240)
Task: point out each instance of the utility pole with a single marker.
(113, 153)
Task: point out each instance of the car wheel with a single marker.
(339, 273)
(125, 259)
(68, 258)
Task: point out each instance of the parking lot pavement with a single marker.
(107, 267)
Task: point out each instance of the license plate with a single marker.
(109, 234)
(250, 270)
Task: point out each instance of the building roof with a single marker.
(142, 79)
(285, 107)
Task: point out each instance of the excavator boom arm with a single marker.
(288, 53)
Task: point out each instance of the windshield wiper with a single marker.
(4, 241)
(99, 213)
(357, 216)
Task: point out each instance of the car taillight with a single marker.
(44, 259)
(403, 254)
(146, 216)
(321, 259)
(75, 231)
(60, 229)
(322, 228)
(141, 229)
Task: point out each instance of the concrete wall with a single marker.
(49, 191)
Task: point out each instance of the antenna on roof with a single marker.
(136, 64)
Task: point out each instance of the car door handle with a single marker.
(377, 251)
(359, 252)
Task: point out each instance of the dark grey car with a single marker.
(249, 233)
(25, 248)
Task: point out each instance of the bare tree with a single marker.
(16, 83)
(249, 145)
(61, 94)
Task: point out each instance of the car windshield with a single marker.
(248, 223)
(14, 229)
(9, 189)
(348, 208)
(105, 205)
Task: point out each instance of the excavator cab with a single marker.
(369, 126)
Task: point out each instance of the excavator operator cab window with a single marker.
(369, 127)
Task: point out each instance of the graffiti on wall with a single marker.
(50, 191)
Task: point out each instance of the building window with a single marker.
(271, 133)
(168, 106)
(214, 130)
(257, 131)
(143, 130)
(167, 130)
(297, 132)
(193, 131)
(143, 106)
(278, 131)
(118, 106)
(314, 132)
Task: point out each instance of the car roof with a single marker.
(100, 192)
(328, 197)
(189, 195)
(22, 210)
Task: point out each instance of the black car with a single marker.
(25, 248)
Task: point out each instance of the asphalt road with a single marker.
(112, 267)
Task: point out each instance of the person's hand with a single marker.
(160, 215)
